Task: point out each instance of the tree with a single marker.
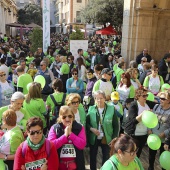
(36, 38)
(31, 13)
(102, 12)
(78, 35)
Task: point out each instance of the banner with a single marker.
(46, 24)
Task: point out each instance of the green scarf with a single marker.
(37, 146)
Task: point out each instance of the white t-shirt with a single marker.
(123, 92)
(73, 85)
(99, 127)
(92, 62)
(6, 91)
(134, 84)
(77, 117)
(140, 128)
(106, 87)
(154, 84)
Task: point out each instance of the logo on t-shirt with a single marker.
(35, 164)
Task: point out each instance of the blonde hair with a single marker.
(63, 110)
(63, 59)
(71, 97)
(166, 94)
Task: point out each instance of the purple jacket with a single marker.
(89, 87)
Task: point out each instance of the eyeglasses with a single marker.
(143, 61)
(35, 132)
(161, 98)
(155, 70)
(145, 95)
(74, 103)
(74, 73)
(41, 65)
(2, 75)
(132, 153)
(69, 116)
(69, 59)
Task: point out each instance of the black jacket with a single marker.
(140, 56)
(76, 128)
(163, 69)
(131, 122)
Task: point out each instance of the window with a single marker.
(79, 1)
(78, 19)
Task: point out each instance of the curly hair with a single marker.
(139, 92)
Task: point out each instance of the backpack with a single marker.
(57, 105)
(47, 146)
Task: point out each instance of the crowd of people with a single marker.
(89, 100)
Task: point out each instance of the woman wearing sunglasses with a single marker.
(74, 84)
(70, 140)
(133, 125)
(123, 154)
(162, 129)
(73, 101)
(6, 89)
(36, 152)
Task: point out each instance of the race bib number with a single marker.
(35, 165)
(68, 151)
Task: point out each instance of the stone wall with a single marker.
(146, 24)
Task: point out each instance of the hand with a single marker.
(23, 167)
(149, 132)
(66, 131)
(95, 131)
(70, 128)
(44, 167)
(2, 156)
(162, 135)
(166, 147)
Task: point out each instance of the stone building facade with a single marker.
(146, 24)
(8, 14)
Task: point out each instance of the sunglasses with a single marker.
(143, 61)
(74, 103)
(69, 116)
(74, 74)
(144, 96)
(69, 59)
(2, 75)
(109, 74)
(41, 65)
(35, 132)
(162, 99)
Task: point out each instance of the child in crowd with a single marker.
(32, 70)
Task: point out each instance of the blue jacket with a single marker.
(79, 84)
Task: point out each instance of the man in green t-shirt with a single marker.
(23, 80)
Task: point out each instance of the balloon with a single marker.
(40, 79)
(149, 119)
(150, 97)
(28, 86)
(2, 165)
(154, 142)
(85, 53)
(164, 160)
(114, 42)
(165, 87)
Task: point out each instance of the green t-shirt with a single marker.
(36, 107)
(58, 98)
(134, 165)
(23, 81)
(11, 140)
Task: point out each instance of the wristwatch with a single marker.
(5, 158)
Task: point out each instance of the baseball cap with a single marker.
(115, 95)
(106, 70)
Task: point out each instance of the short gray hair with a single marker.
(99, 92)
(17, 95)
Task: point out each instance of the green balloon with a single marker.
(40, 79)
(28, 86)
(85, 53)
(2, 165)
(149, 119)
(154, 142)
(150, 97)
(114, 42)
(165, 87)
(164, 160)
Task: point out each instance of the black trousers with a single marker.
(10, 164)
(93, 153)
(140, 143)
(152, 155)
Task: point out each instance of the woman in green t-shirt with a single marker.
(34, 104)
(123, 155)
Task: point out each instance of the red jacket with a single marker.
(30, 156)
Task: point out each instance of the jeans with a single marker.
(152, 154)
(93, 153)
